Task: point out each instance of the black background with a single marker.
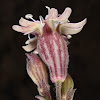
(84, 49)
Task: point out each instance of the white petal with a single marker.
(24, 22)
(52, 13)
(75, 25)
(28, 48)
(21, 29)
(31, 46)
(71, 31)
(65, 15)
(27, 29)
(31, 40)
(72, 28)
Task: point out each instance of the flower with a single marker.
(36, 69)
(48, 40)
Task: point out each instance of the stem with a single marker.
(58, 90)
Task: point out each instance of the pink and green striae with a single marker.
(49, 48)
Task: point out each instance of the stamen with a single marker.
(41, 19)
(69, 36)
(47, 7)
(29, 16)
(68, 21)
(56, 24)
(29, 36)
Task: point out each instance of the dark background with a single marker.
(84, 49)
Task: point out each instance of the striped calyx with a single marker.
(53, 50)
(36, 69)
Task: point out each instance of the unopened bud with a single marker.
(67, 88)
(37, 71)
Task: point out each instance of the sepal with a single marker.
(67, 88)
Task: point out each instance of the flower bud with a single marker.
(67, 90)
(37, 71)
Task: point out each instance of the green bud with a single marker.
(67, 86)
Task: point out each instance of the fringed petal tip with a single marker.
(16, 28)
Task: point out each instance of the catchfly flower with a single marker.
(50, 41)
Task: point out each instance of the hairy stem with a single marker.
(58, 90)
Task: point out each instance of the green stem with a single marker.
(58, 90)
